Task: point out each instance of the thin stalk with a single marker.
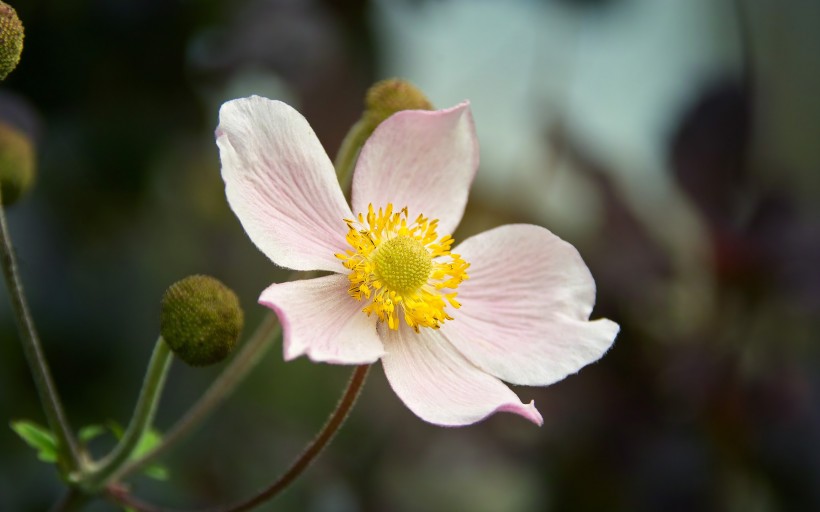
(313, 450)
(68, 451)
(141, 419)
(334, 422)
(250, 354)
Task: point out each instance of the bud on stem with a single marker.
(389, 96)
(383, 99)
(200, 320)
(11, 39)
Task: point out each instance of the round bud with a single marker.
(200, 320)
(17, 164)
(389, 96)
(11, 39)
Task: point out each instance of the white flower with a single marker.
(523, 295)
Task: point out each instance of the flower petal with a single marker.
(322, 321)
(525, 307)
(425, 160)
(439, 385)
(281, 184)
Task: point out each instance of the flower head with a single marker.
(11, 39)
(449, 323)
(201, 320)
(406, 268)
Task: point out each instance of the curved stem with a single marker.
(334, 422)
(220, 389)
(140, 421)
(49, 397)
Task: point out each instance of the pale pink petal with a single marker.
(281, 184)
(439, 385)
(425, 160)
(525, 307)
(323, 322)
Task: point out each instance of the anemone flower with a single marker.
(510, 304)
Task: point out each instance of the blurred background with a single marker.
(674, 143)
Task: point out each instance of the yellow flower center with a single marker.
(403, 269)
(403, 264)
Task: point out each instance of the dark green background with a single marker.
(685, 413)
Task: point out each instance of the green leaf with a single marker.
(157, 472)
(89, 432)
(149, 440)
(115, 428)
(39, 438)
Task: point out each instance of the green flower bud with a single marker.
(389, 96)
(383, 99)
(200, 320)
(17, 164)
(11, 39)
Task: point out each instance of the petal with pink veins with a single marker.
(281, 184)
(425, 160)
(322, 321)
(525, 308)
(439, 385)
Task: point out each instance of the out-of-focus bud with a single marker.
(201, 320)
(17, 164)
(389, 96)
(383, 99)
(11, 39)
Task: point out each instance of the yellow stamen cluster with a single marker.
(402, 267)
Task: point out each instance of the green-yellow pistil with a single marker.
(401, 268)
(402, 264)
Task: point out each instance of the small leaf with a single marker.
(89, 432)
(157, 472)
(149, 440)
(39, 438)
(115, 428)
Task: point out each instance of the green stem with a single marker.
(349, 152)
(140, 421)
(251, 353)
(69, 458)
(313, 450)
